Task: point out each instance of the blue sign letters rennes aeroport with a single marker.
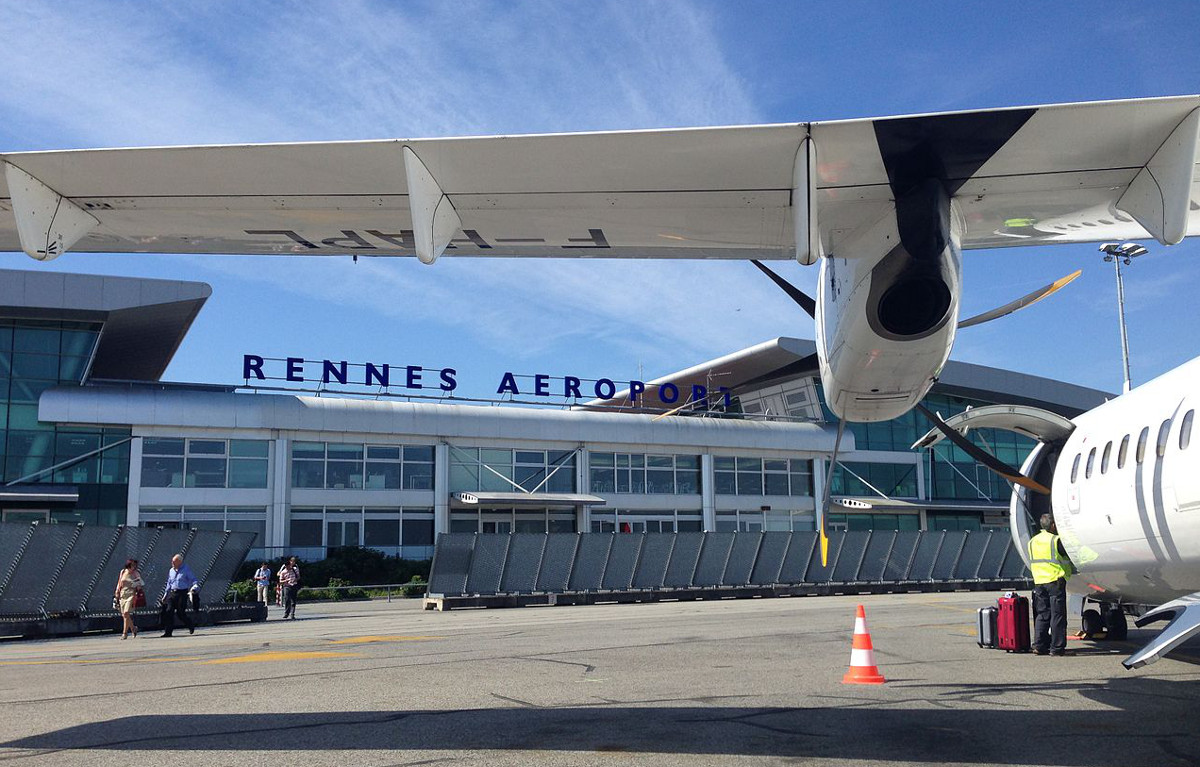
(416, 377)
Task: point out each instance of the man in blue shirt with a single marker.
(179, 581)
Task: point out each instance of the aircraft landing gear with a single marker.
(1092, 623)
(1114, 621)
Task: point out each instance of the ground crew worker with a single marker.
(1050, 566)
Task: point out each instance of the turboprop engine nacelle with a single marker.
(889, 300)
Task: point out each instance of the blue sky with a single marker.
(76, 74)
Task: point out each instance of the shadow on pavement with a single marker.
(1139, 721)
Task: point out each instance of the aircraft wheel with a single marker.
(1092, 622)
(1117, 625)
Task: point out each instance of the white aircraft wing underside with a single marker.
(1030, 175)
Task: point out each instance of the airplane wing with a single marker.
(1030, 175)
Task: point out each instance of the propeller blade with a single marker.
(823, 509)
(1021, 302)
(798, 295)
(982, 456)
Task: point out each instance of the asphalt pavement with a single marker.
(698, 683)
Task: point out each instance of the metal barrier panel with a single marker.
(622, 560)
(1014, 565)
(557, 559)
(31, 579)
(451, 563)
(971, 555)
(876, 557)
(12, 536)
(850, 558)
(901, 556)
(202, 553)
(487, 563)
(652, 565)
(741, 559)
(590, 560)
(156, 562)
(993, 555)
(771, 552)
(133, 543)
(681, 568)
(714, 556)
(927, 550)
(524, 561)
(799, 554)
(818, 574)
(86, 556)
(947, 558)
(231, 557)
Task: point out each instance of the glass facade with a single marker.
(360, 466)
(406, 532)
(762, 476)
(474, 469)
(949, 473)
(641, 473)
(179, 462)
(36, 355)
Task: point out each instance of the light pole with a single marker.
(1117, 253)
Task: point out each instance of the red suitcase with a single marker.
(1012, 623)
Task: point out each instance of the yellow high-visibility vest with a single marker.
(1044, 560)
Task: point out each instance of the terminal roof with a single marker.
(144, 320)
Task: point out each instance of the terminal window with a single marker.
(640, 473)
(762, 476)
(361, 466)
(181, 462)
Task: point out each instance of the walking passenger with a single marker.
(262, 580)
(130, 587)
(179, 583)
(289, 582)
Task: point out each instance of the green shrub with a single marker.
(245, 590)
(417, 590)
(348, 565)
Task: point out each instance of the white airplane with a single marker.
(886, 206)
(1124, 488)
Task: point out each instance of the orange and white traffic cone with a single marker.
(862, 657)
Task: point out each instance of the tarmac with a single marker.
(732, 682)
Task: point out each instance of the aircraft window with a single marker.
(1141, 451)
(1091, 461)
(1163, 431)
(1122, 452)
(1185, 431)
(1075, 468)
(1104, 459)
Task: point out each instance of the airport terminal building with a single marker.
(92, 434)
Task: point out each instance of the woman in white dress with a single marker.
(129, 584)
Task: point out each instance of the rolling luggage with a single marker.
(1012, 623)
(987, 627)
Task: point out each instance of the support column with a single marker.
(278, 518)
(583, 512)
(708, 494)
(441, 489)
(132, 503)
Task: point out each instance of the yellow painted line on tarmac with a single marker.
(85, 661)
(271, 656)
(383, 638)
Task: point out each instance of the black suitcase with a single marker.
(986, 626)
